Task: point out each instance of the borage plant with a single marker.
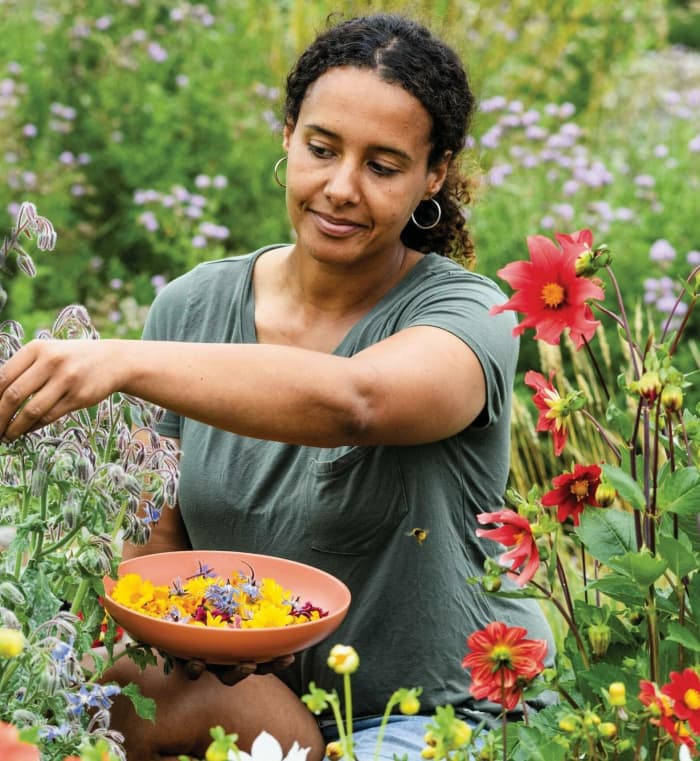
(614, 546)
(69, 495)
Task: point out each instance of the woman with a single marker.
(330, 396)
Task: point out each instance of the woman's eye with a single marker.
(319, 150)
(382, 169)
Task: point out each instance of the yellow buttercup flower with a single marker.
(343, 659)
(11, 642)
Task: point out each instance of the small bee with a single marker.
(419, 534)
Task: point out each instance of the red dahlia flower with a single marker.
(549, 292)
(516, 532)
(553, 409)
(574, 491)
(684, 690)
(503, 662)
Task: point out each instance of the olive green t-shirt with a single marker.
(351, 510)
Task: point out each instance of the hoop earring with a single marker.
(433, 224)
(278, 164)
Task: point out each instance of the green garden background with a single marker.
(146, 131)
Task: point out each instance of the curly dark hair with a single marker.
(406, 53)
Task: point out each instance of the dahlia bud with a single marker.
(607, 730)
(617, 694)
(491, 583)
(605, 494)
(648, 386)
(430, 739)
(568, 724)
(343, 659)
(585, 263)
(599, 637)
(672, 398)
(427, 753)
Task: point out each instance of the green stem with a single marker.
(77, 605)
(50, 549)
(24, 510)
(653, 638)
(625, 321)
(348, 716)
(43, 512)
(382, 727)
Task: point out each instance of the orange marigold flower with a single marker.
(574, 491)
(684, 690)
(549, 292)
(503, 662)
(553, 409)
(516, 532)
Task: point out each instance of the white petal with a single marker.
(296, 753)
(266, 748)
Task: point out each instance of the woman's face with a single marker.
(357, 166)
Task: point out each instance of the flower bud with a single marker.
(672, 398)
(491, 583)
(11, 643)
(617, 694)
(409, 705)
(585, 263)
(605, 494)
(343, 659)
(430, 739)
(462, 733)
(648, 386)
(607, 730)
(568, 724)
(12, 592)
(427, 753)
(334, 751)
(599, 637)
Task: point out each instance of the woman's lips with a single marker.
(336, 227)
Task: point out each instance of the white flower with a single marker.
(266, 748)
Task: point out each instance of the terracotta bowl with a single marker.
(227, 646)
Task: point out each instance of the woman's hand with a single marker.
(235, 673)
(48, 379)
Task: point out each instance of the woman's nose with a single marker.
(342, 184)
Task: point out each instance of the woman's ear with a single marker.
(437, 175)
(286, 135)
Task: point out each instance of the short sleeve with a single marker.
(460, 301)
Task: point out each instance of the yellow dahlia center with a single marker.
(692, 699)
(579, 489)
(553, 295)
(500, 656)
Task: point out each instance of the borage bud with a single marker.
(599, 637)
(343, 659)
(672, 398)
(617, 694)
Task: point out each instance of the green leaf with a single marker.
(642, 567)
(683, 636)
(625, 485)
(681, 559)
(535, 745)
(679, 492)
(144, 707)
(619, 588)
(607, 533)
(618, 421)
